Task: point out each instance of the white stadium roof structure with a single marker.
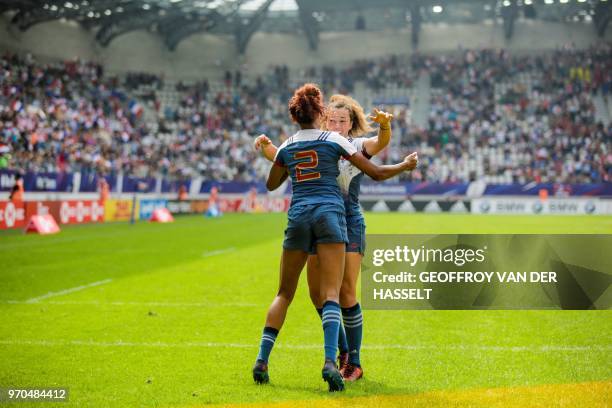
(175, 20)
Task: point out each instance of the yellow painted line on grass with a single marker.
(589, 394)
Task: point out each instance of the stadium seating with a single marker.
(492, 117)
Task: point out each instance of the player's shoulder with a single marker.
(357, 141)
(284, 144)
(291, 140)
(304, 136)
(342, 141)
(334, 137)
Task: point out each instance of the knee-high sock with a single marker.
(353, 324)
(332, 319)
(342, 343)
(267, 342)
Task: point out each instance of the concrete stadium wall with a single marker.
(203, 55)
(137, 50)
(346, 46)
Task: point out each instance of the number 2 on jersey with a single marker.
(313, 162)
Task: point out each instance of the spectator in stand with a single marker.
(17, 190)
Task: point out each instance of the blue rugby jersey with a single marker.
(349, 180)
(311, 157)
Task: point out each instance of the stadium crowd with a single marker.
(514, 119)
(495, 116)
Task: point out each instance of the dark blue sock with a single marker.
(332, 319)
(353, 324)
(267, 342)
(342, 343)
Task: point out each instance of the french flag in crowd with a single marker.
(16, 105)
(135, 108)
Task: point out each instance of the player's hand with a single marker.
(412, 159)
(381, 117)
(261, 141)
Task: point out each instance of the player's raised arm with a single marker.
(375, 144)
(380, 173)
(264, 144)
(279, 172)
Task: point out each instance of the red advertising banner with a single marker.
(42, 208)
(229, 205)
(81, 211)
(277, 204)
(85, 211)
(260, 204)
(12, 215)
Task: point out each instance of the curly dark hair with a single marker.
(306, 104)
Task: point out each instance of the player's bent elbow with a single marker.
(377, 175)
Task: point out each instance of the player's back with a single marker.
(311, 157)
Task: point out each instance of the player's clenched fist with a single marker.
(381, 117)
(261, 141)
(413, 159)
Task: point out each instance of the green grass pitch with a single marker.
(173, 314)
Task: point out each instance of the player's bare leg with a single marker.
(314, 285)
(292, 263)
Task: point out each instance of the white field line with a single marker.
(66, 291)
(121, 303)
(181, 304)
(218, 252)
(254, 345)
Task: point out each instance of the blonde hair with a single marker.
(360, 123)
